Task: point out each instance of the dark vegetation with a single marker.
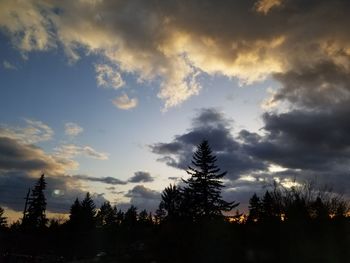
(297, 224)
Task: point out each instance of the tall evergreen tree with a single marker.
(202, 193)
(35, 216)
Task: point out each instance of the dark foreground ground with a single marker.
(207, 242)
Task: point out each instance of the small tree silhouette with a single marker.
(75, 214)
(130, 216)
(160, 213)
(3, 219)
(35, 216)
(145, 219)
(171, 202)
(107, 215)
(88, 210)
(255, 209)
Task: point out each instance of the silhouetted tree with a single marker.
(3, 219)
(320, 211)
(171, 202)
(202, 193)
(120, 217)
(107, 215)
(88, 210)
(160, 213)
(267, 206)
(255, 209)
(35, 216)
(75, 214)
(145, 219)
(297, 204)
(130, 216)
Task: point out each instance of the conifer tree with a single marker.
(171, 201)
(160, 213)
(75, 214)
(120, 217)
(143, 218)
(3, 221)
(255, 209)
(88, 212)
(202, 193)
(130, 216)
(35, 216)
(107, 215)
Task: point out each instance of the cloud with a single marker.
(315, 86)
(308, 144)
(209, 124)
(72, 129)
(143, 198)
(34, 132)
(305, 145)
(8, 65)
(108, 77)
(303, 139)
(124, 102)
(141, 177)
(17, 156)
(72, 150)
(105, 180)
(61, 191)
(28, 24)
(21, 163)
(173, 41)
(264, 6)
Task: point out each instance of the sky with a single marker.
(112, 97)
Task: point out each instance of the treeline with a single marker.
(193, 223)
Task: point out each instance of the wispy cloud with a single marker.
(8, 65)
(264, 6)
(72, 150)
(33, 132)
(72, 129)
(124, 102)
(108, 76)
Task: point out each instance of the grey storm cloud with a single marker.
(143, 198)
(315, 86)
(175, 41)
(311, 145)
(15, 155)
(297, 139)
(141, 177)
(105, 180)
(138, 177)
(209, 124)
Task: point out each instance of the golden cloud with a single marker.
(175, 41)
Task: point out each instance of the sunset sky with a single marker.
(112, 97)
